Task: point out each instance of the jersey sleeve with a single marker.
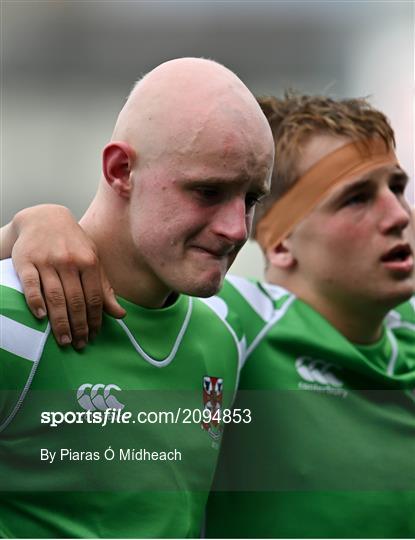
(254, 304)
(22, 338)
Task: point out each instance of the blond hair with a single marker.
(296, 118)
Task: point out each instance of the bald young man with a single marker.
(190, 155)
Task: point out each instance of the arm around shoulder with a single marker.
(60, 272)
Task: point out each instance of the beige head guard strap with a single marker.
(344, 164)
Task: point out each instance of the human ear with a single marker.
(117, 162)
(281, 255)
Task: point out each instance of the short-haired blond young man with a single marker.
(329, 369)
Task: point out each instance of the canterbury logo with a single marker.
(317, 371)
(93, 397)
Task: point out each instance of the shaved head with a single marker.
(183, 104)
(190, 155)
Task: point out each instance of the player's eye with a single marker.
(251, 200)
(209, 194)
(398, 188)
(356, 199)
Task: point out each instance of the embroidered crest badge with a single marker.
(212, 402)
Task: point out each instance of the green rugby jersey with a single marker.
(331, 448)
(178, 359)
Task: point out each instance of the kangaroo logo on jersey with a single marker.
(319, 375)
(212, 401)
(93, 397)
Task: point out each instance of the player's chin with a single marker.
(207, 284)
(400, 293)
(406, 292)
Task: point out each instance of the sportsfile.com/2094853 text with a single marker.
(117, 416)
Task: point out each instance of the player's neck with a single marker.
(358, 321)
(127, 272)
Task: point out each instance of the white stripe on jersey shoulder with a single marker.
(34, 339)
(21, 340)
(15, 337)
(277, 316)
(412, 302)
(18, 338)
(275, 291)
(8, 276)
(257, 299)
(220, 308)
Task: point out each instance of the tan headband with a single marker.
(344, 164)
